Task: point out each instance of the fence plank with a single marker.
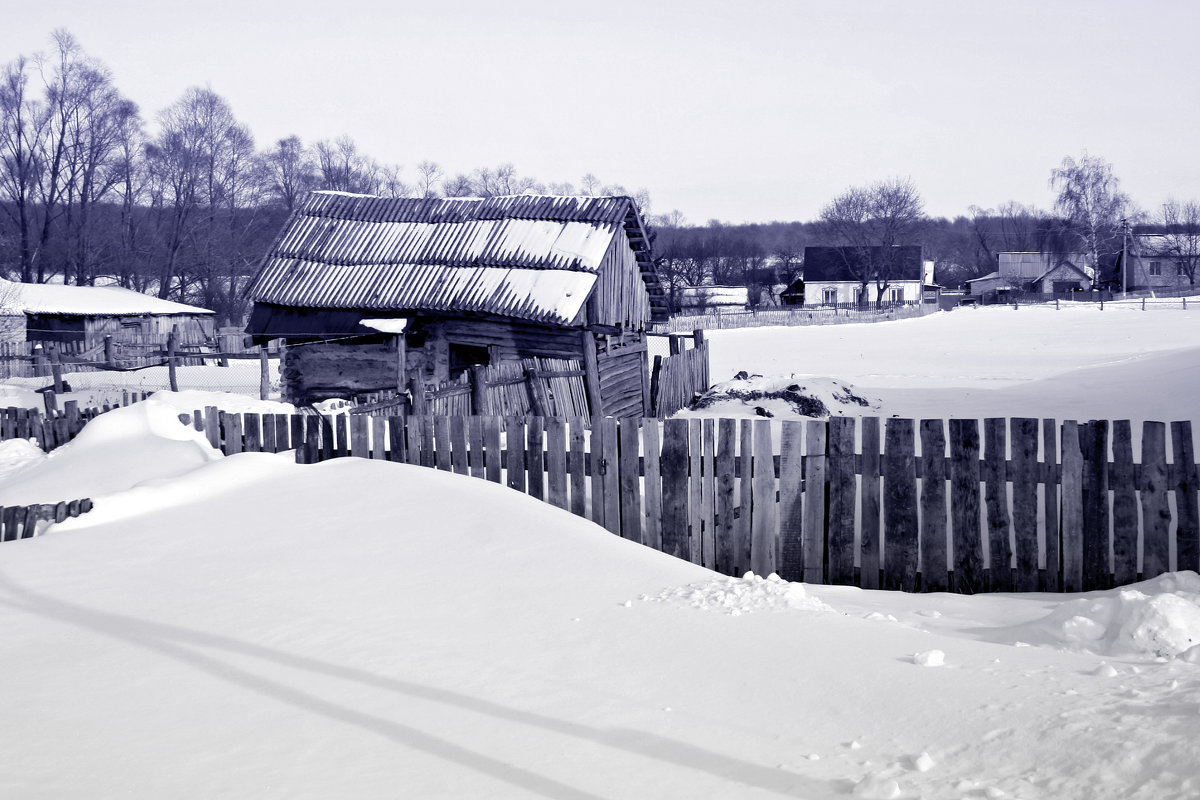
(342, 427)
(1187, 533)
(791, 500)
(743, 539)
(871, 549)
(441, 443)
(556, 461)
(814, 504)
(283, 433)
(328, 443)
(595, 470)
(1052, 581)
(1094, 445)
(652, 445)
(900, 506)
(995, 455)
(1124, 505)
(428, 450)
(726, 475)
(843, 488)
(412, 449)
(764, 543)
(933, 544)
(360, 435)
(492, 452)
(233, 433)
(379, 437)
(577, 464)
(397, 451)
(312, 441)
(252, 425)
(268, 434)
(460, 459)
(708, 485)
(514, 439)
(630, 479)
(475, 435)
(212, 426)
(964, 506)
(1072, 507)
(695, 491)
(610, 472)
(535, 474)
(1024, 477)
(1156, 512)
(674, 466)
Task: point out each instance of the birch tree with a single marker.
(1092, 203)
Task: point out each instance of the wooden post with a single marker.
(765, 526)
(1094, 444)
(556, 461)
(264, 374)
(655, 385)
(651, 438)
(628, 438)
(842, 490)
(172, 344)
(479, 390)
(1187, 534)
(109, 359)
(726, 474)
(814, 501)
(1072, 507)
(591, 370)
(56, 368)
(674, 468)
(1024, 438)
(996, 501)
(402, 366)
(1124, 505)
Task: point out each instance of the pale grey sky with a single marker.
(746, 111)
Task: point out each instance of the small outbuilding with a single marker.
(78, 318)
(504, 300)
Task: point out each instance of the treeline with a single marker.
(182, 208)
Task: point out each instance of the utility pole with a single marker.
(1124, 255)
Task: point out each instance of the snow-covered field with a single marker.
(1075, 363)
(247, 627)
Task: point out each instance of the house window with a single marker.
(1180, 269)
(858, 296)
(829, 296)
(465, 356)
(1156, 268)
(896, 295)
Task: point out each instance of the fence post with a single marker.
(479, 404)
(172, 343)
(108, 350)
(56, 368)
(591, 369)
(264, 374)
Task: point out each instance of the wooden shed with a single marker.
(76, 319)
(501, 305)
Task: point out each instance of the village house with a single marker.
(1038, 273)
(834, 276)
(1162, 262)
(517, 302)
(711, 299)
(79, 319)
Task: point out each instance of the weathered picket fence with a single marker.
(1019, 504)
(21, 522)
(55, 427)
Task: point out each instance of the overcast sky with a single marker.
(739, 111)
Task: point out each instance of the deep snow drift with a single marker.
(248, 627)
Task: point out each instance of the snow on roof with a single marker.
(54, 298)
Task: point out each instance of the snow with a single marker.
(244, 626)
(53, 298)
(230, 386)
(1074, 363)
(396, 325)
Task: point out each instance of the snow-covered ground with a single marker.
(247, 627)
(1075, 363)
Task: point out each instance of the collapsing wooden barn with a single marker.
(503, 305)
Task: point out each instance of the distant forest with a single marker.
(183, 208)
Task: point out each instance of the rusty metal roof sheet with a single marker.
(523, 256)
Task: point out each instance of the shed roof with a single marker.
(86, 301)
(840, 263)
(531, 257)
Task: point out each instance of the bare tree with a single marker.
(429, 176)
(343, 168)
(22, 130)
(461, 185)
(1180, 241)
(868, 223)
(291, 170)
(1091, 201)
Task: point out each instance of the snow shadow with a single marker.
(187, 646)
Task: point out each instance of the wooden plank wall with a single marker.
(1006, 505)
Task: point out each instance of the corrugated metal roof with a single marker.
(530, 257)
(55, 298)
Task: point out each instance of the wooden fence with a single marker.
(21, 522)
(797, 315)
(1009, 505)
(677, 378)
